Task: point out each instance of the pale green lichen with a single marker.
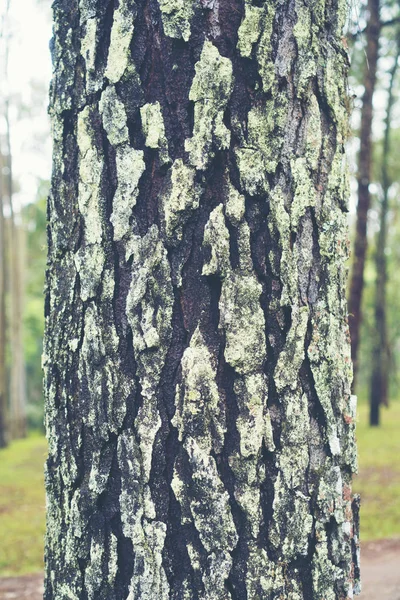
(292, 523)
(129, 161)
(154, 129)
(210, 91)
(89, 262)
(90, 258)
(99, 472)
(244, 247)
(88, 51)
(216, 237)
(148, 535)
(243, 321)
(215, 526)
(179, 199)
(217, 572)
(266, 66)
(151, 291)
(336, 94)
(250, 29)
(149, 313)
(121, 37)
(91, 165)
(194, 556)
(324, 572)
(114, 117)
(306, 36)
(256, 30)
(130, 168)
(177, 16)
(253, 176)
(98, 361)
(62, 55)
(314, 133)
(247, 490)
(147, 423)
(261, 124)
(290, 359)
(113, 558)
(304, 191)
(288, 266)
(94, 570)
(253, 423)
(265, 578)
(199, 409)
(235, 205)
(205, 504)
(329, 358)
(260, 152)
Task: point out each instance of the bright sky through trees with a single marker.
(27, 32)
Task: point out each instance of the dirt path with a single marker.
(380, 576)
(380, 570)
(21, 588)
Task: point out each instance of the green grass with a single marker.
(22, 506)
(378, 481)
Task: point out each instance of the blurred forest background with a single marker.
(373, 39)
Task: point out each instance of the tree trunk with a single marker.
(197, 358)
(4, 433)
(372, 33)
(380, 354)
(17, 392)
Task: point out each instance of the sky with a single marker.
(28, 32)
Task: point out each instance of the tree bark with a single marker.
(372, 33)
(380, 351)
(197, 359)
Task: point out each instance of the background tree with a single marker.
(376, 356)
(197, 361)
(4, 433)
(34, 223)
(12, 293)
(380, 354)
(372, 33)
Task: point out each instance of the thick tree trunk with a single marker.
(197, 359)
(380, 354)
(372, 33)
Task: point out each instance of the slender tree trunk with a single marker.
(380, 354)
(4, 388)
(372, 33)
(15, 250)
(197, 358)
(4, 434)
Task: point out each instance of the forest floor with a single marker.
(379, 571)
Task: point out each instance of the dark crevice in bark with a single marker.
(267, 498)
(150, 185)
(103, 44)
(181, 535)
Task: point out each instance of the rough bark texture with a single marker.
(372, 33)
(380, 350)
(197, 359)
